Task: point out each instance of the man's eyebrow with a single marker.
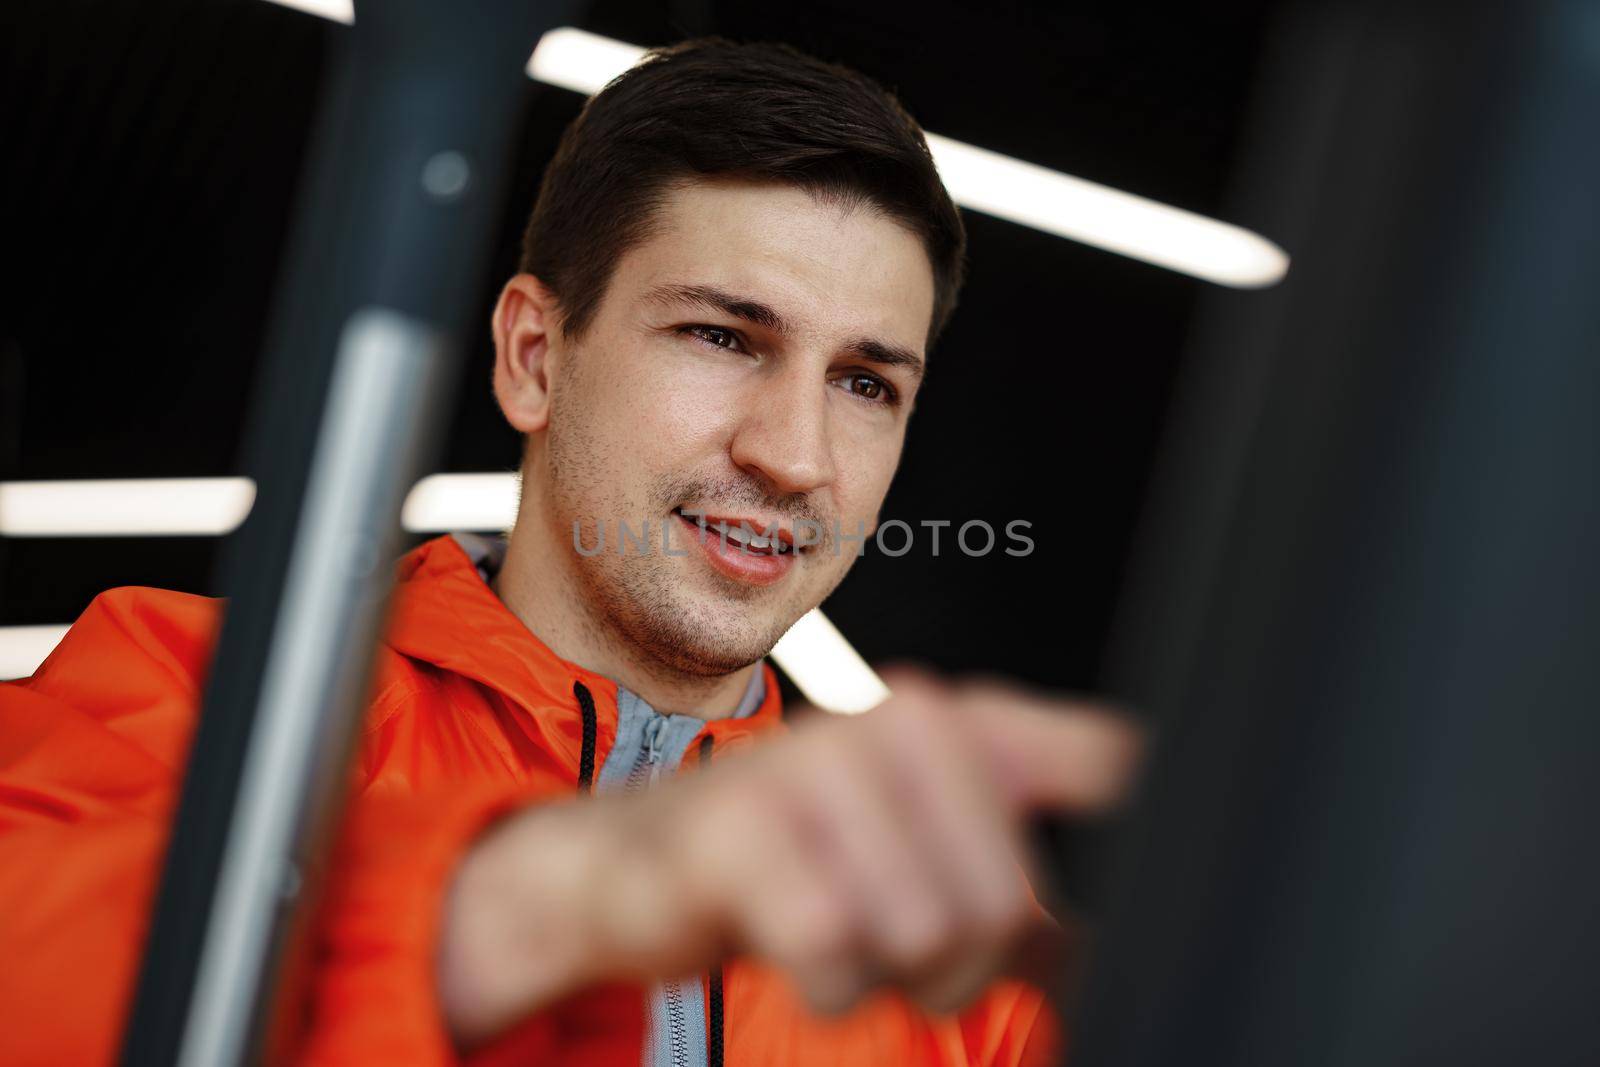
(882, 353)
(721, 300)
(885, 354)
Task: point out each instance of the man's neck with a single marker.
(540, 593)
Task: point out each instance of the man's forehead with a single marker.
(825, 267)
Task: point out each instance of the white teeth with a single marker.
(740, 536)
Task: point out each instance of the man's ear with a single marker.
(524, 327)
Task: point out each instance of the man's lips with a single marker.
(748, 560)
(750, 533)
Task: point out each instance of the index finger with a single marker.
(1047, 753)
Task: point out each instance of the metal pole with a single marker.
(1370, 604)
(402, 192)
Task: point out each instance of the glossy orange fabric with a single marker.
(470, 716)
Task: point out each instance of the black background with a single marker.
(152, 151)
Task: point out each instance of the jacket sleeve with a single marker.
(91, 750)
(373, 985)
(88, 748)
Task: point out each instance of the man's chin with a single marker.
(720, 631)
(702, 622)
(705, 654)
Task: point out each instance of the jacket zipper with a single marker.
(644, 773)
(646, 769)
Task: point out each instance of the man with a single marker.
(739, 259)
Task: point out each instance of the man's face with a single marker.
(755, 359)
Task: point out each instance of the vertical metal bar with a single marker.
(381, 277)
(372, 435)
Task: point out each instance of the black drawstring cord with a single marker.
(586, 759)
(714, 1045)
(714, 1037)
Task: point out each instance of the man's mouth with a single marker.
(746, 534)
(741, 548)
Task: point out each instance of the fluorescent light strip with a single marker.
(23, 648)
(826, 668)
(336, 10)
(124, 507)
(444, 502)
(580, 61)
(1106, 218)
(135, 507)
(977, 178)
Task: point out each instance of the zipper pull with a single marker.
(652, 754)
(653, 730)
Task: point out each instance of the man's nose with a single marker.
(784, 435)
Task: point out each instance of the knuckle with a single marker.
(803, 930)
(919, 934)
(817, 934)
(832, 990)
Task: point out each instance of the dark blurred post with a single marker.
(383, 271)
(1369, 613)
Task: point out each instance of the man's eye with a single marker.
(715, 336)
(870, 388)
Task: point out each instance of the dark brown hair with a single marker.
(712, 107)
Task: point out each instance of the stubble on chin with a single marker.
(700, 634)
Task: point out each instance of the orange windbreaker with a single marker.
(470, 716)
